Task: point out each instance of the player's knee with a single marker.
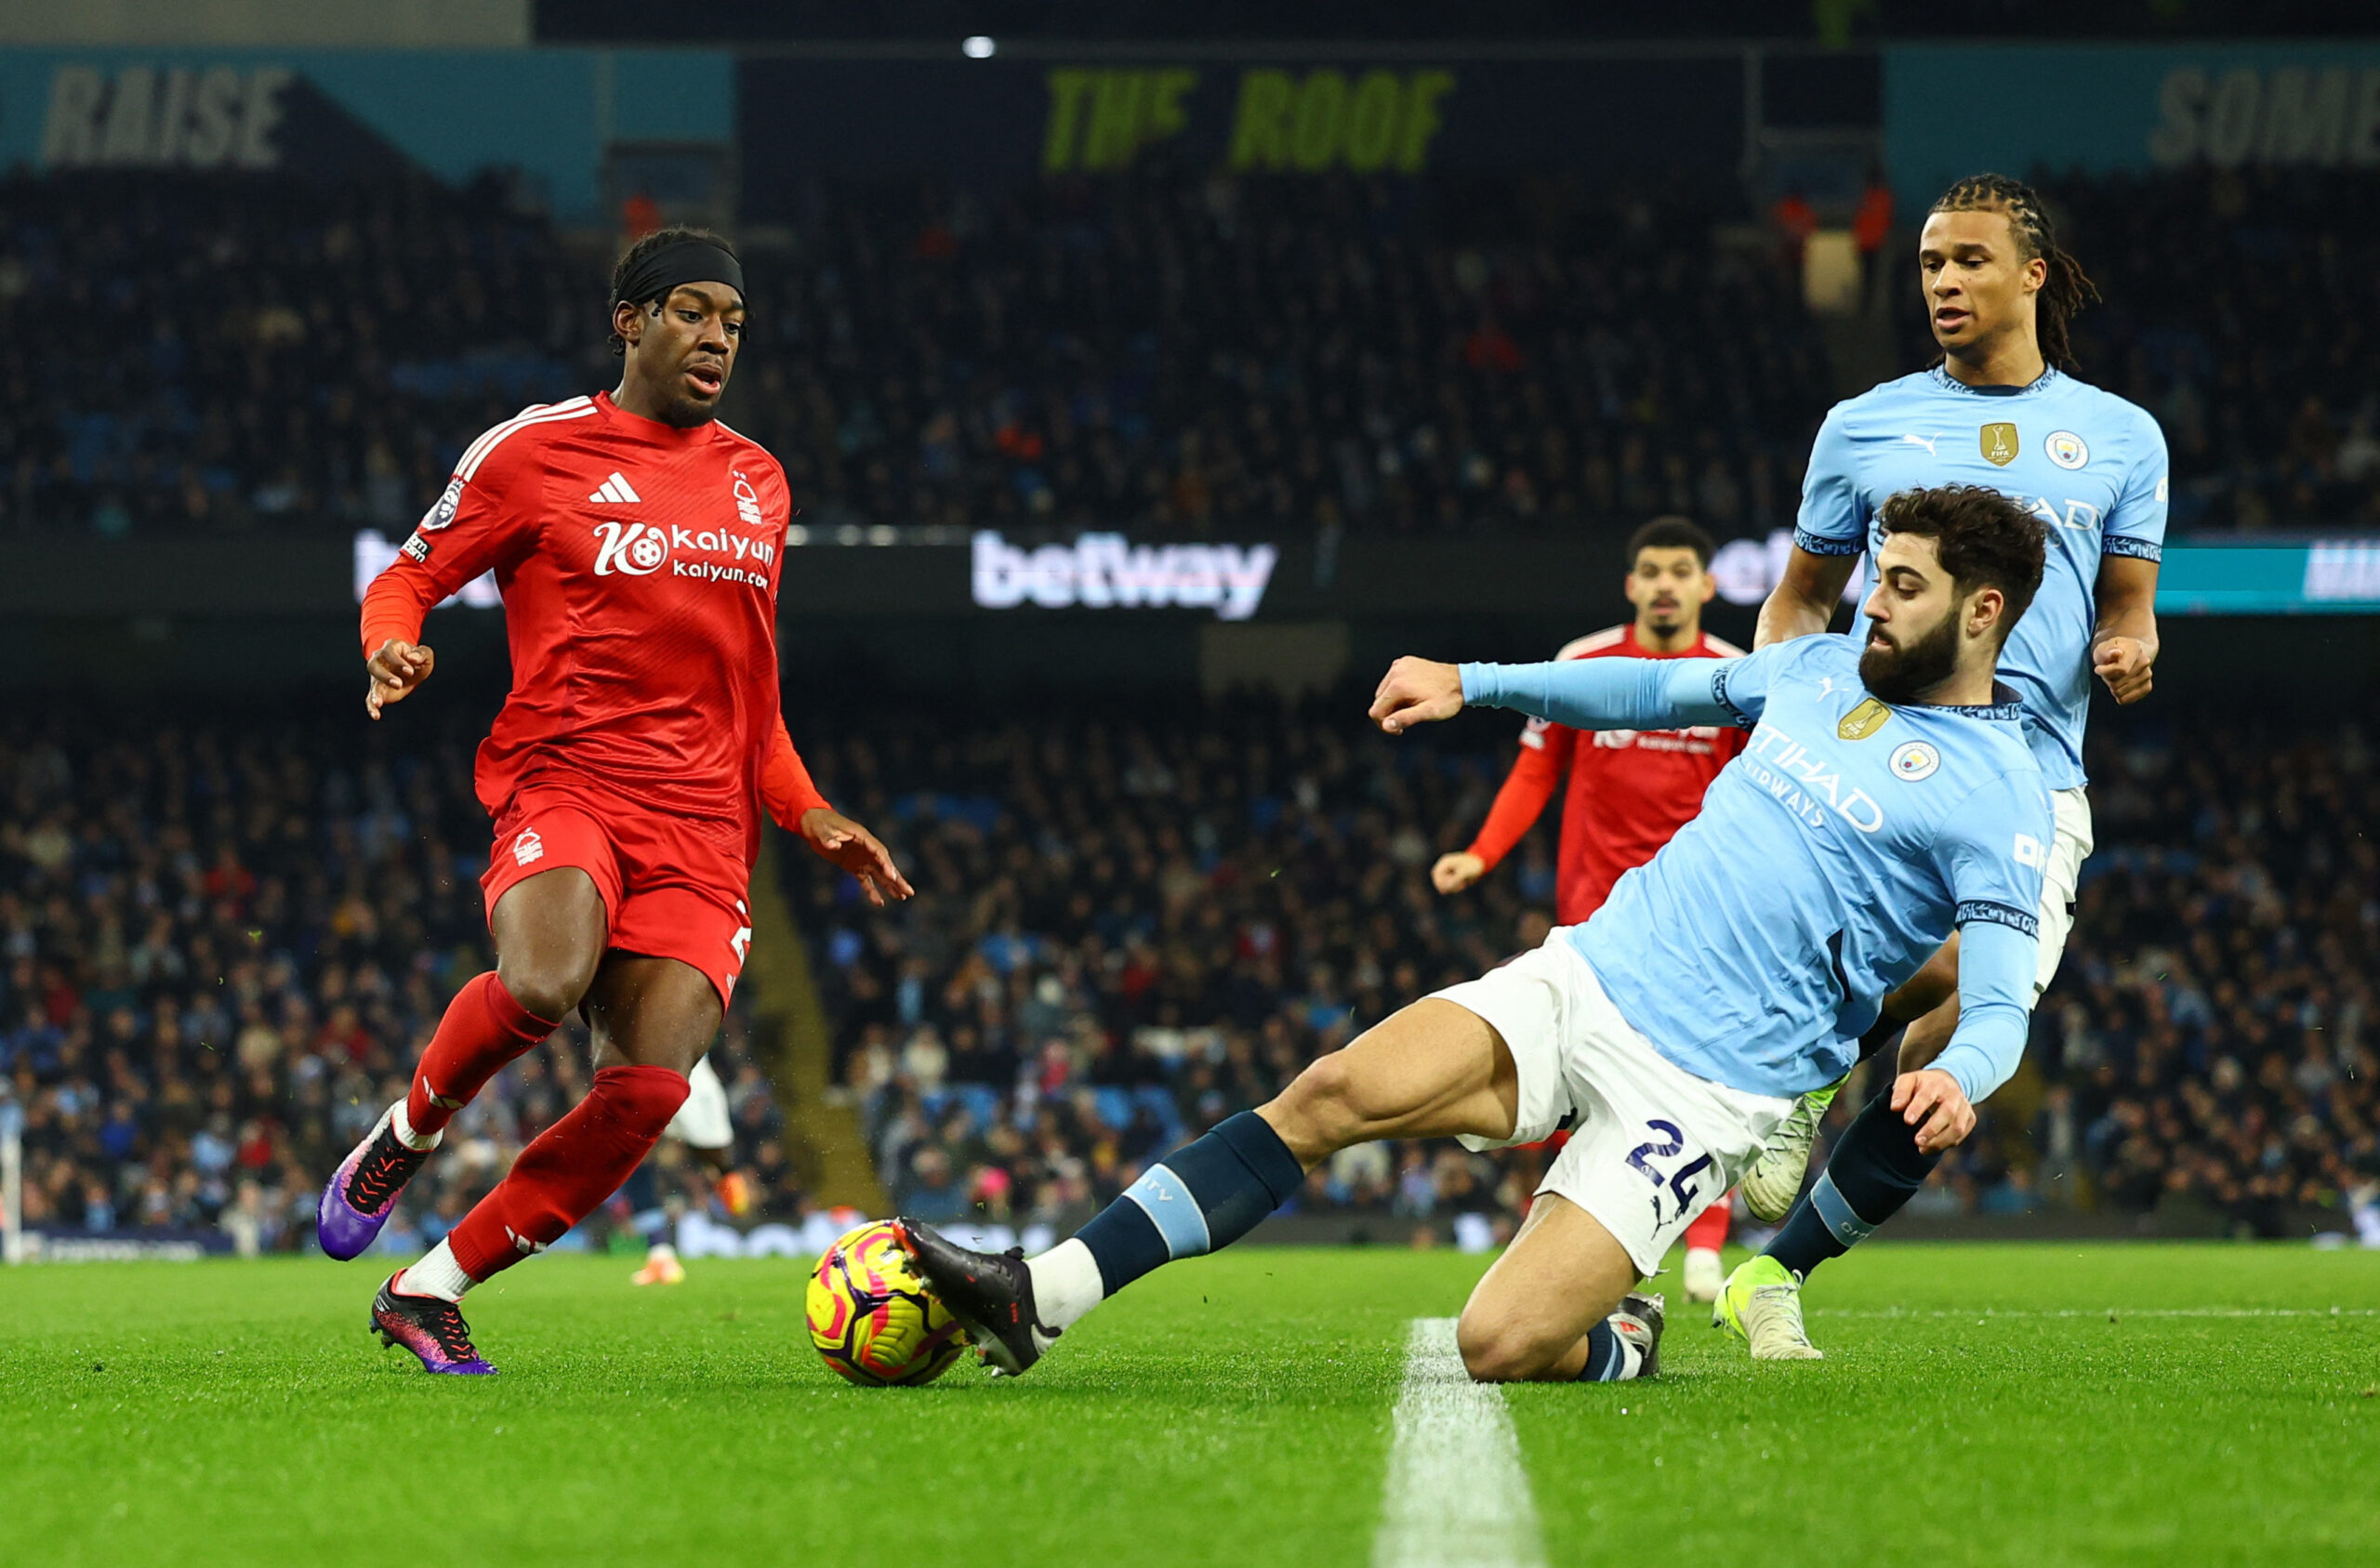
(546, 985)
(644, 1099)
(1502, 1352)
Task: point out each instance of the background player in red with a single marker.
(1629, 790)
(638, 543)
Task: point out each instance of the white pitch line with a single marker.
(1890, 1312)
(1457, 1495)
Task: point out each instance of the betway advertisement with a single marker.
(549, 112)
(1108, 571)
(2126, 108)
(1115, 575)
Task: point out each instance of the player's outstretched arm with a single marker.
(393, 609)
(835, 837)
(1456, 870)
(1996, 966)
(1801, 604)
(1583, 694)
(396, 667)
(794, 803)
(2124, 644)
(1417, 692)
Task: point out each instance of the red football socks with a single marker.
(572, 1166)
(1708, 1232)
(483, 1029)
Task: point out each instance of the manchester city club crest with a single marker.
(2066, 449)
(1863, 720)
(1916, 760)
(1999, 442)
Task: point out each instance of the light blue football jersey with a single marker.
(2091, 465)
(1829, 861)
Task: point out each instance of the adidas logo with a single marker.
(615, 490)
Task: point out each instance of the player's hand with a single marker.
(2125, 665)
(1417, 692)
(395, 670)
(1932, 1102)
(1455, 871)
(835, 838)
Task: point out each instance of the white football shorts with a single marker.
(701, 1122)
(1652, 1145)
(2072, 810)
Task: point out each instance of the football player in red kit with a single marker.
(1629, 790)
(639, 544)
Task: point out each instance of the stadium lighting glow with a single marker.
(979, 47)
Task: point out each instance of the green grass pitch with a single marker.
(1979, 1404)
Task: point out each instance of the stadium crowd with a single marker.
(1127, 927)
(1175, 353)
(221, 947)
(2213, 1033)
(188, 354)
(221, 944)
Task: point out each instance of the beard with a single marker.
(683, 412)
(1904, 674)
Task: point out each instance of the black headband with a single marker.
(681, 262)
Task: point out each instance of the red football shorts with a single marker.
(671, 888)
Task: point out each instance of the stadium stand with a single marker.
(1128, 926)
(1180, 353)
(225, 353)
(1174, 353)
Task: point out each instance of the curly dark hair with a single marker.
(2065, 290)
(1983, 538)
(643, 248)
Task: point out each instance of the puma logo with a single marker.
(1925, 441)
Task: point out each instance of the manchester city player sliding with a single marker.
(1886, 798)
(2001, 409)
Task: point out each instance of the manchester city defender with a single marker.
(1999, 409)
(1886, 797)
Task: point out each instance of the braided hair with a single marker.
(2065, 290)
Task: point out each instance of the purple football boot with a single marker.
(362, 1192)
(430, 1326)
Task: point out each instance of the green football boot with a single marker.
(1772, 1184)
(1762, 1302)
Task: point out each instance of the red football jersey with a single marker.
(1630, 789)
(639, 565)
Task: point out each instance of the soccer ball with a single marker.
(871, 1316)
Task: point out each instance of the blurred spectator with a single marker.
(1796, 220)
(1871, 229)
